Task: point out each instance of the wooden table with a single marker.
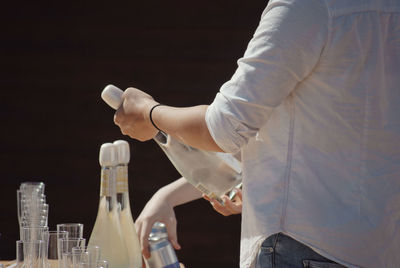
(8, 263)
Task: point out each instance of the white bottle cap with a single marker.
(108, 155)
(112, 96)
(123, 151)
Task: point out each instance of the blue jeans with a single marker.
(282, 251)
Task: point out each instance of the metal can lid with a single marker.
(158, 231)
(159, 227)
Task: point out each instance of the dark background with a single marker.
(56, 57)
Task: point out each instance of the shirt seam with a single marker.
(354, 10)
(329, 33)
(288, 169)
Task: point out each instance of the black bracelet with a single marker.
(151, 117)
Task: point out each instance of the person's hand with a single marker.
(133, 115)
(229, 207)
(156, 209)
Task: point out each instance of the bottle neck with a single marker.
(107, 184)
(122, 178)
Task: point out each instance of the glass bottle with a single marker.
(127, 224)
(107, 232)
(214, 174)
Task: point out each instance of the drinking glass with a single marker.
(32, 187)
(102, 264)
(88, 256)
(88, 260)
(77, 256)
(28, 221)
(30, 254)
(65, 250)
(75, 230)
(66, 260)
(28, 233)
(51, 239)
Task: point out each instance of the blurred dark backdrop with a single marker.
(55, 59)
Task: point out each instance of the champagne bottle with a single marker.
(127, 224)
(214, 174)
(107, 232)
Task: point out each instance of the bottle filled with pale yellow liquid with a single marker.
(214, 174)
(107, 230)
(125, 216)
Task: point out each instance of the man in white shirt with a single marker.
(314, 110)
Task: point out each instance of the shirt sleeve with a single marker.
(284, 50)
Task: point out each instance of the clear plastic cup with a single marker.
(51, 239)
(88, 256)
(30, 254)
(102, 264)
(75, 230)
(29, 233)
(65, 247)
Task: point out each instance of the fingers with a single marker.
(172, 234)
(233, 207)
(143, 229)
(217, 206)
(128, 129)
(228, 208)
(126, 115)
(119, 114)
(119, 121)
(206, 198)
(238, 196)
(117, 118)
(132, 115)
(221, 209)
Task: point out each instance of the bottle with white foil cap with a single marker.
(212, 173)
(107, 231)
(127, 224)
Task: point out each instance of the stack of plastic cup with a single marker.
(32, 208)
(32, 217)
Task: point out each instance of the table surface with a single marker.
(8, 263)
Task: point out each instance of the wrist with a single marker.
(148, 108)
(164, 195)
(151, 116)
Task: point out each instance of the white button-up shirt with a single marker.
(314, 109)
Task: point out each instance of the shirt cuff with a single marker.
(221, 128)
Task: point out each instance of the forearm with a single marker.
(186, 124)
(179, 192)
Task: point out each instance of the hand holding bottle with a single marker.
(156, 209)
(161, 208)
(230, 207)
(132, 115)
(135, 117)
(212, 173)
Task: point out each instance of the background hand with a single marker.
(156, 209)
(229, 207)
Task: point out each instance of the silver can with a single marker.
(162, 253)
